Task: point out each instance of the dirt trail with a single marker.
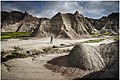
(44, 42)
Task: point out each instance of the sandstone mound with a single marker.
(86, 57)
(88, 62)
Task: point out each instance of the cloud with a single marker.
(100, 8)
(94, 9)
(9, 7)
(65, 7)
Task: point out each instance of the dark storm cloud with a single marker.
(94, 9)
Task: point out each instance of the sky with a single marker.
(91, 9)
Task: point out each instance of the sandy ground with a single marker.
(44, 42)
(32, 68)
(28, 69)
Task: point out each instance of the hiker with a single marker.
(51, 39)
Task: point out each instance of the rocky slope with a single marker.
(108, 23)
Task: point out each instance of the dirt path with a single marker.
(44, 42)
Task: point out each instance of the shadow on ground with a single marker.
(61, 65)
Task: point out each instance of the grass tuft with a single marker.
(93, 41)
(106, 33)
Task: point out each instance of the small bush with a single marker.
(3, 53)
(5, 56)
(100, 35)
(62, 44)
(55, 47)
(14, 54)
(93, 34)
(17, 48)
(47, 49)
(6, 37)
(116, 38)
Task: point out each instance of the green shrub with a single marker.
(100, 35)
(93, 34)
(106, 33)
(8, 35)
(93, 41)
(116, 38)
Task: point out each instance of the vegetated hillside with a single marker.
(108, 23)
(62, 25)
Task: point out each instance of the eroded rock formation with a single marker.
(88, 62)
(108, 23)
(61, 25)
(18, 22)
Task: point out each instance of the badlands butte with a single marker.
(62, 25)
(82, 48)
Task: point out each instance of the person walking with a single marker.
(51, 39)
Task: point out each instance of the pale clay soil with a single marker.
(28, 69)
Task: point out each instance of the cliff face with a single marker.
(106, 24)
